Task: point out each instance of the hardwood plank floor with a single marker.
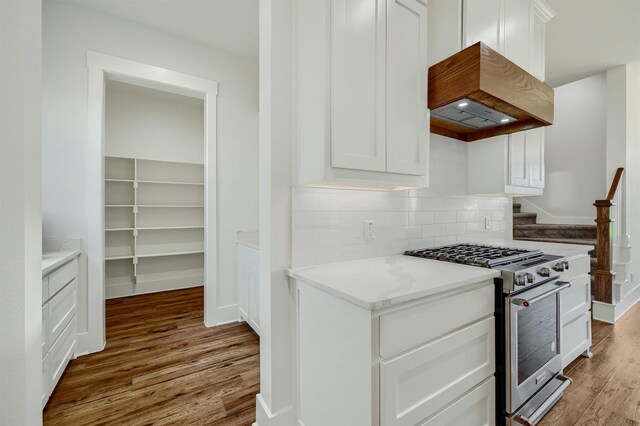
(606, 387)
(162, 366)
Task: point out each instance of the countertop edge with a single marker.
(490, 274)
(65, 256)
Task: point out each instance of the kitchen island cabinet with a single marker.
(419, 351)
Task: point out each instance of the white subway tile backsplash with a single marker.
(466, 216)
(435, 230)
(421, 217)
(445, 216)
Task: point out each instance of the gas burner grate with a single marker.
(486, 256)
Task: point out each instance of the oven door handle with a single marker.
(561, 285)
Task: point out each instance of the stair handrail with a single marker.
(604, 274)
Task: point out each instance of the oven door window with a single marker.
(537, 336)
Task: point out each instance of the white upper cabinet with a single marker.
(357, 85)
(361, 95)
(406, 114)
(483, 21)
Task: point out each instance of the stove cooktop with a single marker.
(486, 256)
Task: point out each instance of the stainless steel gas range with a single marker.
(529, 357)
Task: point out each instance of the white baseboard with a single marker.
(264, 416)
(609, 313)
(546, 217)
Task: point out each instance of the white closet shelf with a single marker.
(173, 253)
(156, 228)
(119, 205)
(119, 180)
(182, 206)
(129, 256)
(118, 229)
(171, 183)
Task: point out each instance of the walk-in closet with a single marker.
(154, 190)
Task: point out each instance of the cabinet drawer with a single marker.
(60, 353)
(45, 330)
(61, 276)
(576, 299)
(415, 385)
(62, 307)
(45, 289)
(407, 328)
(46, 386)
(578, 265)
(576, 338)
(475, 408)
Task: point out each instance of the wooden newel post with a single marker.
(603, 275)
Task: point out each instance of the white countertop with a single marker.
(249, 238)
(384, 281)
(53, 259)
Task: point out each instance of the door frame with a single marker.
(104, 67)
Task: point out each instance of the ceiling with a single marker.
(227, 24)
(589, 36)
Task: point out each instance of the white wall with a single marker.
(155, 125)
(20, 213)
(69, 30)
(328, 224)
(575, 149)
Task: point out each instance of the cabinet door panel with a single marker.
(536, 47)
(517, 30)
(407, 116)
(518, 160)
(483, 21)
(357, 84)
(535, 157)
(416, 384)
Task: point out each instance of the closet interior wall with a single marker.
(154, 191)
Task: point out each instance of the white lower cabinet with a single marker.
(575, 305)
(425, 362)
(416, 384)
(249, 286)
(59, 324)
(476, 407)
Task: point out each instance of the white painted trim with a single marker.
(103, 67)
(264, 417)
(612, 313)
(545, 217)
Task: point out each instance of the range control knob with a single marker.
(560, 267)
(544, 272)
(529, 277)
(519, 280)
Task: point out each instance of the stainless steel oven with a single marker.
(533, 356)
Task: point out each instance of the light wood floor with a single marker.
(605, 388)
(162, 366)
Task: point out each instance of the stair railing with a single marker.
(609, 223)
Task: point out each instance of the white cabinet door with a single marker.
(484, 21)
(254, 296)
(243, 283)
(517, 23)
(407, 114)
(536, 46)
(418, 383)
(535, 157)
(518, 173)
(478, 407)
(358, 84)
(444, 30)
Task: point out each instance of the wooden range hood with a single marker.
(478, 93)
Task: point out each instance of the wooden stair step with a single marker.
(517, 207)
(582, 232)
(524, 218)
(579, 241)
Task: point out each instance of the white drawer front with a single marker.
(576, 338)
(45, 330)
(45, 289)
(405, 329)
(578, 265)
(478, 407)
(62, 307)
(576, 300)
(61, 276)
(413, 386)
(46, 386)
(61, 352)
